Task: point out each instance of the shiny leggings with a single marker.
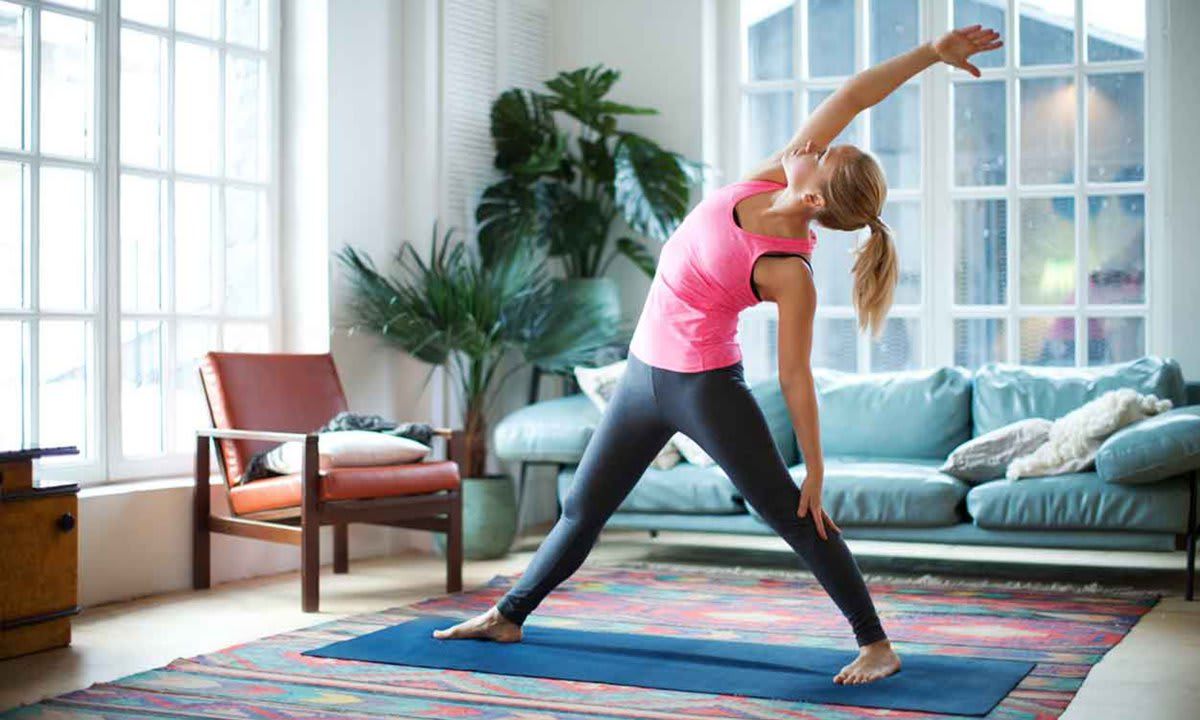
(716, 409)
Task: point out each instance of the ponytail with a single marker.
(876, 271)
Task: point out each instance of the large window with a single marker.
(136, 181)
(1018, 202)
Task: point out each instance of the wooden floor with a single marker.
(1153, 674)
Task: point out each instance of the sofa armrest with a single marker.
(550, 431)
(1154, 449)
(263, 435)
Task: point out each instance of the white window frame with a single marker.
(106, 462)
(171, 462)
(937, 311)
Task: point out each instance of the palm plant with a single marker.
(482, 321)
(564, 195)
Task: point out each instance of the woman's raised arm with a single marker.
(872, 85)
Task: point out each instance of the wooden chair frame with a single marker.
(436, 512)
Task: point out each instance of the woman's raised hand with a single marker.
(956, 46)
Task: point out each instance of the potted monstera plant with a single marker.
(481, 321)
(565, 191)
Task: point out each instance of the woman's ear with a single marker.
(812, 201)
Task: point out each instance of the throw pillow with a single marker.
(1075, 437)
(599, 384)
(348, 448)
(986, 457)
(1153, 449)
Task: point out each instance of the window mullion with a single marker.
(1082, 333)
(34, 180)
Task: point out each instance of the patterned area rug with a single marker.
(1064, 633)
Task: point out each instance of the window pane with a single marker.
(246, 271)
(246, 337)
(196, 228)
(895, 28)
(196, 110)
(979, 125)
(1047, 32)
(67, 85)
(981, 252)
(1115, 30)
(151, 12)
(1116, 128)
(1116, 249)
(1112, 340)
(978, 341)
(852, 134)
(1047, 131)
(987, 13)
(13, 97)
(905, 221)
(13, 229)
(896, 136)
(141, 387)
(899, 347)
(12, 384)
(1048, 341)
(832, 260)
(143, 99)
(246, 119)
(769, 125)
(1048, 251)
(66, 232)
(768, 27)
(192, 341)
(835, 344)
(143, 243)
(65, 380)
(198, 17)
(830, 38)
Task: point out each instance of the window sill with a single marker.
(137, 486)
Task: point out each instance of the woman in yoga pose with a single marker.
(747, 242)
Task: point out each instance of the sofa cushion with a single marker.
(684, 488)
(554, 431)
(1153, 449)
(1007, 393)
(916, 414)
(887, 491)
(1079, 501)
(769, 397)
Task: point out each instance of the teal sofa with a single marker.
(884, 437)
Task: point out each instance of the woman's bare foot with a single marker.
(490, 625)
(874, 661)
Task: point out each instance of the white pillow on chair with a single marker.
(348, 448)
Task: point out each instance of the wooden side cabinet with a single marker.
(39, 552)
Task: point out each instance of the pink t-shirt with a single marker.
(703, 282)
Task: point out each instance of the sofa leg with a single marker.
(653, 534)
(454, 545)
(201, 539)
(341, 548)
(1192, 531)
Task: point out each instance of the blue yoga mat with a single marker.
(927, 683)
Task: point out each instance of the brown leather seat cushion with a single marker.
(350, 483)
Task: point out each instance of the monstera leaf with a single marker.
(527, 140)
(651, 186)
(580, 94)
(506, 215)
(573, 228)
(637, 254)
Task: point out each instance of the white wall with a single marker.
(1182, 222)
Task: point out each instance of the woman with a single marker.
(745, 243)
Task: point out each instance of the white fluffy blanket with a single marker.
(1076, 436)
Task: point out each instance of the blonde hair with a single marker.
(854, 195)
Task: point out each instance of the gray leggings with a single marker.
(716, 409)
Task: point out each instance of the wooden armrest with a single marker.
(264, 435)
